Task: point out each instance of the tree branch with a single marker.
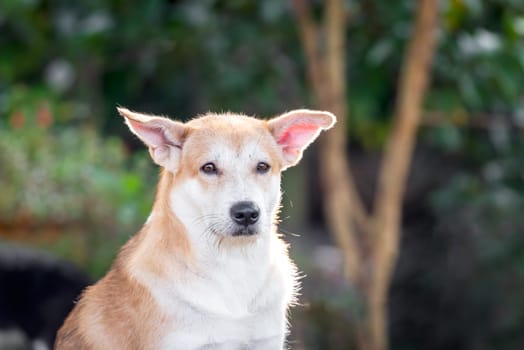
(412, 88)
(343, 206)
(397, 158)
(335, 23)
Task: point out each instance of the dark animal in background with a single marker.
(37, 291)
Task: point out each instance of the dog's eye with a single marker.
(263, 167)
(209, 168)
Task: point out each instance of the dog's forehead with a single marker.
(236, 132)
(227, 122)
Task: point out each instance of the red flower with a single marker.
(44, 118)
(18, 119)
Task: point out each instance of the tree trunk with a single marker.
(395, 166)
(369, 242)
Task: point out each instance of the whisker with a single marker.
(206, 217)
(287, 232)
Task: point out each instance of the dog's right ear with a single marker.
(163, 137)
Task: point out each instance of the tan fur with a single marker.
(232, 130)
(91, 326)
(118, 312)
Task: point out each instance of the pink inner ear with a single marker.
(153, 136)
(297, 137)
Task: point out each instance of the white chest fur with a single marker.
(235, 301)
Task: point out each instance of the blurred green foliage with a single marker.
(485, 209)
(65, 65)
(52, 173)
(70, 176)
(69, 179)
(192, 56)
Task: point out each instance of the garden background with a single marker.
(75, 183)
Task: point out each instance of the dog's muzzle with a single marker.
(245, 215)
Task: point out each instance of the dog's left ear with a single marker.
(163, 136)
(295, 130)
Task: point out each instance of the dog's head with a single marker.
(226, 166)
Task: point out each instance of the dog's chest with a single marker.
(240, 313)
(246, 310)
(207, 332)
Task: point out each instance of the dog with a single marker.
(208, 269)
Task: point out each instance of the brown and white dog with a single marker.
(208, 269)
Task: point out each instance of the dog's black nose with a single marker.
(245, 213)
